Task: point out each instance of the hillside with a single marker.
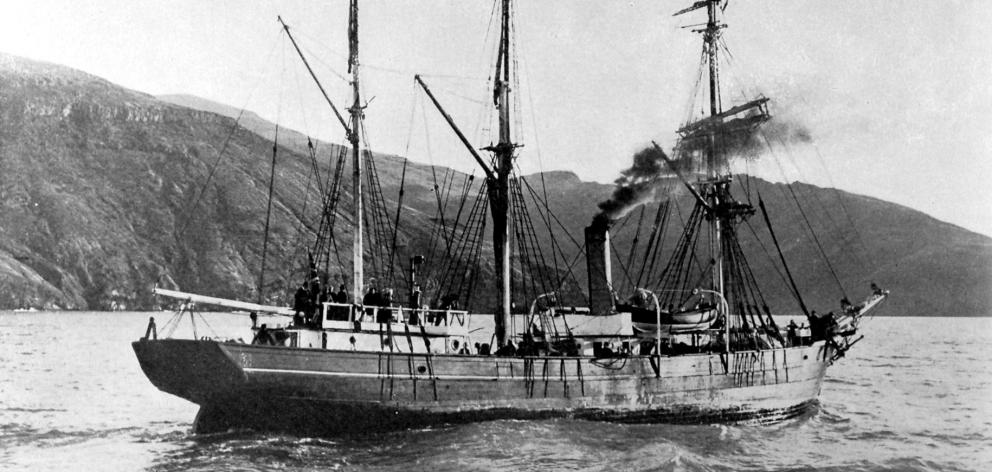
(100, 199)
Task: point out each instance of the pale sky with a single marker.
(897, 95)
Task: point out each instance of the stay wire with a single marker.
(802, 212)
(220, 155)
(819, 201)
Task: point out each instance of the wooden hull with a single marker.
(317, 391)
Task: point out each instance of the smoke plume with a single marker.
(636, 185)
(747, 142)
(774, 131)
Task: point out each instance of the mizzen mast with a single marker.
(354, 137)
(353, 133)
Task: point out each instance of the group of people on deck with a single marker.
(309, 298)
(377, 305)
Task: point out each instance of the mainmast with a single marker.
(498, 172)
(499, 184)
(354, 137)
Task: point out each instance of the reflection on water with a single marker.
(916, 394)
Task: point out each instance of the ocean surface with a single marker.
(915, 394)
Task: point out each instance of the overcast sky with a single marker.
(897, 95)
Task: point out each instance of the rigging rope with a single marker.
(268, 214)
(227, 141)
(548, 217)
(460, 271)
(268, 208)
(396, 225)
(864, 247)
(792, 281)
(656, 241)
(633, 244)
(823, 207)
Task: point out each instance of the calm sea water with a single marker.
(915, 394)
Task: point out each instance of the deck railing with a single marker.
(393, 314)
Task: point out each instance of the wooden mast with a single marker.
(354, 137)
(498, 175)
(710, 36)
(499, 186)
(715, 187)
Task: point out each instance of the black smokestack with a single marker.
(598, 267)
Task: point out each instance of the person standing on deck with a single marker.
(341, 296)
(300, 301)
(385, 314)
(370, 300)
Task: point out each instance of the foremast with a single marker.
(710, 36)
(707, 135)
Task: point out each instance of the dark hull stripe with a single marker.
(317, 418)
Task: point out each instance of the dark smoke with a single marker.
(636, 185)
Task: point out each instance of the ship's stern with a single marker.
(198, 371)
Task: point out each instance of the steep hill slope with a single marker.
(100, 199)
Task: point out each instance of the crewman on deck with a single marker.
(370, 300)
(792, 332)
(845, 304)
(300, 302)
(385, 314)
(315, 290)
(415, 297)
(341, 296)
(318, 309)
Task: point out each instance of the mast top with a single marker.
(699, 4)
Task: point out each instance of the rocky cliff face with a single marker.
(97, 192)
(102, 196)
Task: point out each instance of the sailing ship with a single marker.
(695, 343)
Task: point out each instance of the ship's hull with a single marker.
(318, 391)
